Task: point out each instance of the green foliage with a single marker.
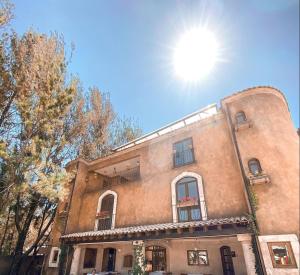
(258, 265)
(139, 260)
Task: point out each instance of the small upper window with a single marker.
(240, 117)
(183, 152)
(282, 255)
(254, 167)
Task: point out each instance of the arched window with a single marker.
(106, 211)
(254, 167)
(188, 202)
(240, 117)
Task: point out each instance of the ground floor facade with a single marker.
(211, 255)
(211, 247)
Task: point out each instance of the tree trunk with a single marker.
(5, 231)
(18, 254)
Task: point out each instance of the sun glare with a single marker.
(195, 54)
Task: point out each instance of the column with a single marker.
(75, 261)
(139, 257)
(249, 257)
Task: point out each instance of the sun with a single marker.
(195, 54)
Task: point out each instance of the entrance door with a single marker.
(227, 263)
(109, 258)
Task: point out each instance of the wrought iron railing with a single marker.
(104, 223)
(122, 177)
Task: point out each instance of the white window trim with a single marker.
(51, 263)
(113, 218)
(200, 193)
(293, 239)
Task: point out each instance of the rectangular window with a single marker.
(282, 255)
(90, 258)
(197, 257)
(183, 152)
(54, 257)
(128, 259)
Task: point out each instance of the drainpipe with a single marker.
(69, 206)
(245, 180)
(68, 211)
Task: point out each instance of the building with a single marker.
(216, 192)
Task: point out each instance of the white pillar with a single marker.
(139, 254)
(249, 257)
(75, 261)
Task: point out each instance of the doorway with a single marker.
(109, 259)
(156, 258)
(227, 263)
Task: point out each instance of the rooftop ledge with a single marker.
(232, 225)
(201, 114)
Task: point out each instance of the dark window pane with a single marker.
(90, 257)
(55, 256)
(240, 117)
(183, 152)
(107, 203)
(254, 166)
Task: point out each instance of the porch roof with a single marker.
(139, 229)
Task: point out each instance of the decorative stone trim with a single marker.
(52, 253)
(249, 257)
(245, 125)
(75, 260)
(259, 179)
(200, 193)
(293, 239)
(113, 220)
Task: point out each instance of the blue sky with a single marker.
(125, 48)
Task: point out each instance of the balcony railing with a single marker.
(104, 223)
(183, 157)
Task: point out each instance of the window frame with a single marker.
(259, 166)
(188, 208)
(244, 116)
(289, 250)
(174, 153)
(197, 250)
(89, 248)
(52, 253)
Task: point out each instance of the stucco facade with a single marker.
(221, 149)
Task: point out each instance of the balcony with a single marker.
(258, 179)
(104, 223)
(120, 173)
(243, 125)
